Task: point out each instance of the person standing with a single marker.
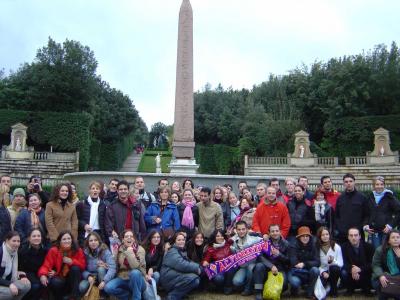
(210, 213)
(351, 209)
(60, 214)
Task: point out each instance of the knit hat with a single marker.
(303, 230)
(19, 191)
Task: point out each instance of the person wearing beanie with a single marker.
(17, 204)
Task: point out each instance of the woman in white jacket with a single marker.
(331, 259)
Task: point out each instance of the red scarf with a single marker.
(66, 252)
(128, 221)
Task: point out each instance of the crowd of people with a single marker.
(125, 239)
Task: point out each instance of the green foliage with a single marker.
(63, 79)
(68, 132)
(354, 136)
(218, 159)
(262, 121)
(158, 132)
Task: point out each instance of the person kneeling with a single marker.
(179, 275)
(131, 269)
(62, 267)
(13, 284)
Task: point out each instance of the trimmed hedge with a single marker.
(354, 136)
(218, 159)
(67, 132)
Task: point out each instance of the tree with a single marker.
(158, 136)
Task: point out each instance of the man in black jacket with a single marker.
(351, 210)
(357, 258)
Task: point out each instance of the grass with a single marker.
(148, 164)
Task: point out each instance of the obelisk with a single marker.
(183, 161)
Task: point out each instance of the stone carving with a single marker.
(302, 145)
(18, 148)
(301, 155)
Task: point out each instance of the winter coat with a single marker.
(351, 211)
(83, 213)
(127, 262)
(387, 211)
(31, 259)
(300, 215)
(307, 254)
(54, 261)
(227, 213)
(336, 253)
(177, 267)
(92, 259)
(267, 214)
(210, 218)
(363, 259)
(116, 216)
(328, 219)
(379, 265)
(282, 260)
(213, 254)
(59, 219)
(5, 223)
(169, 217)
(23, 224)
(154, 261)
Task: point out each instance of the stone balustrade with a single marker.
(271, 161)
(356, 160)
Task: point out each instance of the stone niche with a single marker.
(18, 149)
(302, 156)
(382, 154)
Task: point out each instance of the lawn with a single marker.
(148, 162)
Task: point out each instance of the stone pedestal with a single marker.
(183, 166)
(302, 162)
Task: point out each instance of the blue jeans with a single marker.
(376, 239)
(123, 288)
(244, 276)
(84, 285)
(183, 288)
(299, 277)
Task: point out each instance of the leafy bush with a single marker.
(218, 159)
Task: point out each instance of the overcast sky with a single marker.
(237, 43)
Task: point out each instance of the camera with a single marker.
(36, 185)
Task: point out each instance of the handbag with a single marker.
(393, 286)
(93, 293)
(273, 286)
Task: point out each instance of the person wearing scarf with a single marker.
(154, 248)
(386, 264)
(384, 211)
(331, 259)
(217, 195)
(323, 212)
(131, 263)
(246, 214)
(13, 284)
(230, 210)
(31, 217)
(60, 214)
(62, 268)
(100, 263)
(188, 213)
(219, 248)
(91, 213)
(196, 247)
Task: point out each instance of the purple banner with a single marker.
(238, 259)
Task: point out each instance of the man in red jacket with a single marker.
(331, 195)
(270, 211)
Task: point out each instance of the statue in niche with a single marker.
(382, 151)
(301, 147)
(158, 161)
(18, 145)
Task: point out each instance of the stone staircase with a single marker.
(363, 174)
(51, 172)
(131, 163)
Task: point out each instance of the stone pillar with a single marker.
(183, 161)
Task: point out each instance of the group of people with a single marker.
(124, 239)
